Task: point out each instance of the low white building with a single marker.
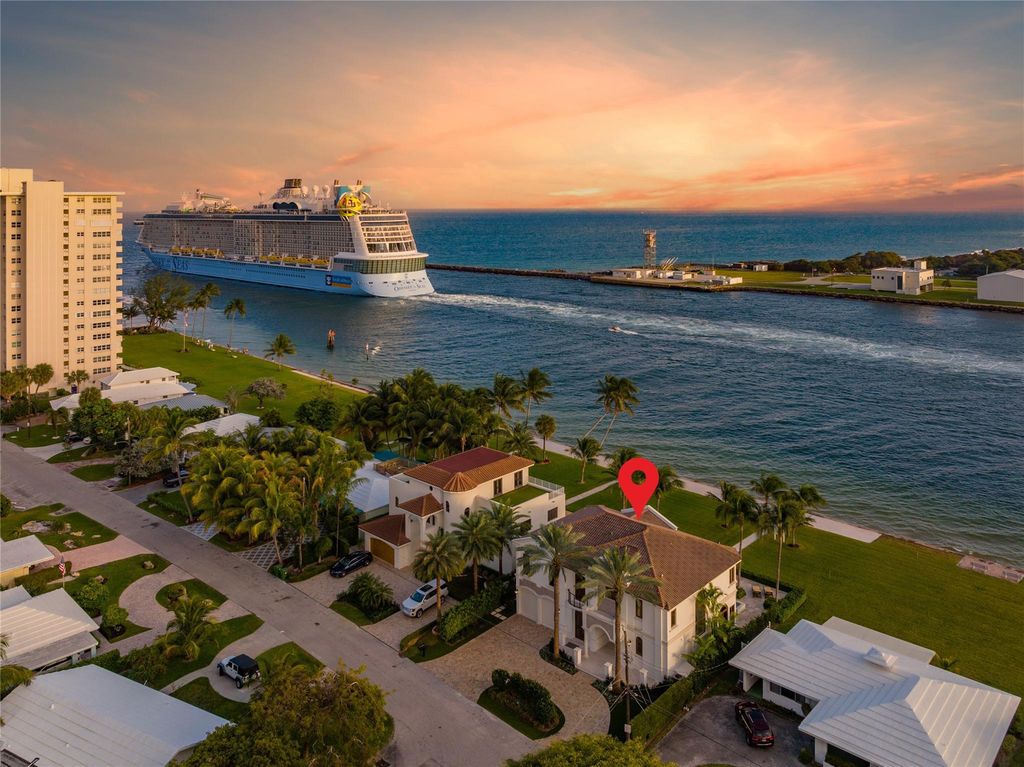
(904, 280)
(633, 273)
(711, 277)
(139, 387)
(225, 426)
(190, 401)
(660, 627)
(1002, 286)
(140, 376)
(876, 697)
(45, 631)
(759, 267)
(20, 555)
(434, 496)
(91, 716)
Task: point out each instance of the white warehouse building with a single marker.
(1002, 286)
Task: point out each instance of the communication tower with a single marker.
(650, 248)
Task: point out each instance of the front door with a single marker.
(577, 616)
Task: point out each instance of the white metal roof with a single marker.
(23, 552)
(373, 492)
(91, 716)
(226, 425)
(185, 402)
(137, 376)
(880, 702)
(35, 624)
(138, 392)
(1015, 274)
(13, 596)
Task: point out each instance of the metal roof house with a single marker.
(47, 630)
(19, 555)
(91, 716)
(876, 697)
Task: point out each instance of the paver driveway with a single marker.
(324, 588)
(515, 645)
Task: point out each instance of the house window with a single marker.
(396, 500)
(639, 647)
(465, 512)
(639, 611)
(447, 507)
(552, 514)
(732, 575)
(702, 622)
(517, 479)
(497, 486)
(431, 521)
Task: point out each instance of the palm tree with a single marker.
(519, 441)
(478, 539)
(76, 377)
(221, 479)
(130, 312)
(709, 601)
(554, 548)
(189, 628)
(616, 459)
(546, 427)
(811, 499)
(615, 395)
(59, 417)
(668, 480)
(204, 298)
(612, 573)
(586, 450)
(169, 442)
(509, 524)
(775, 520)
(279, 347)
(534, 386)
(11, 675)
(235, 308)
(797, 515)
(439, 559)
(736, 507)
(270, 511)
(507, 394)
(767, 486)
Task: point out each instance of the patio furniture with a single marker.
(755, 589)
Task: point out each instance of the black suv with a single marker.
(755, 724)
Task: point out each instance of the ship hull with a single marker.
(396, 285)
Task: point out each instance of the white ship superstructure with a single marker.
(332, 238)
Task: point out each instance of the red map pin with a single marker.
(638, 495)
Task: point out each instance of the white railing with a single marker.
(551, 487)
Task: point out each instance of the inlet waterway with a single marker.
(907, 418)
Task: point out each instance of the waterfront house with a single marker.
(139, 387)
(1002, 286)
(660, 626)
(876, 698)
(434, 496)
(45, 631)
(20, 555)
(904, 280)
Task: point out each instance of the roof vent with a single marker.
(880, 658)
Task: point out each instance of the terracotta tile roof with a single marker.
(682, 562)
(424, 505)
(468, 470)
(390, 528)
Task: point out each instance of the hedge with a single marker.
(528, 697)
(655, 720)
(469, 611)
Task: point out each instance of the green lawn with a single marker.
(350, 611)
(565, 471)
(510, 717)
(169, 506)
(520, 495)
(200, 693)
(907, 590)
(41, 436)
(295, 655)
(95, 472)
(220, 370)
(193, 587)
(84, 531)
(119, 574)
(223, 634)
(749, 275)
(80, 453)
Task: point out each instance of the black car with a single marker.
(174, 481)
(350, 563)
(755, 724)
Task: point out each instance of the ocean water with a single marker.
(906, 418)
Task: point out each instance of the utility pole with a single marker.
(629, 695)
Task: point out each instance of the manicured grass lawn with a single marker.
(80, 453)
(749, 275)
(294, 654)
(223, 634)
(435, 646)
(119, 574)
(41, 436)
(169, 506)
(193, 587)
(910, 591)
(565, 471)
(91, 531)
(510, 717)
(350, 611)
(200, 693)
(520, 495)
(220, 370)
(95, 472)
(851, 278)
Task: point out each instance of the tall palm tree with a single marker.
(169, 442)
(464, 425)
(553, 548)
(586, 450)
(478, 539)
(613, 573)
(709, 600)
(775, 520)
(11, 675)
(206, 294)
(811, 499)
(129, 312)
(616, 459)
(735, 507)
(189, 628)
(270, 512)
(279, 347)
(668, 480)
(534, 386)
(59, 417)
(509, 524)
(546, 427)
(615, 395)
(519, 441)
(440, 558)
(220, 482)
(507, 394)
(796, 517)
(767, 486)
(235, 308)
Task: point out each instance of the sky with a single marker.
(678, 106)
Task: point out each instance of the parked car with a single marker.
(72, 437)
(755, 724)
(174, 481)
(423, 598)
(350, 563)
(241, 668)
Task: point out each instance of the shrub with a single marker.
(563, 661)
(321, 413)
(144, 663)
(805, 757)
(371, 595)
(92, 596)
(134, 462)
(6, 507)
(278, 572)
(114, 615)
(272, 418)
(469, 611)
(499, 678)
(36, 583)
(740, 592)
(110, 660)
(529, 698)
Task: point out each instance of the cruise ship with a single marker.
(332, 238)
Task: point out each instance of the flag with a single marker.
(62, 566)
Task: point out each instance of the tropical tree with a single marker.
(519, 441)
(76, 377)
(479, 540)
(234, 308)
(11, 675)
(797, 516)
(811, 499)
(709, 602)
(735, 507)
(220, 481)
(534, 386)
(439, 559)
(616, 459)
(190, 627)
(130, 311)
(586, 450)
(507, 394)
(272, 511)
(264, 389)
(546, 427)
(281, 346)
(60, 416)
(40, 375)
(668, 480)
(12, 382)
(161, 299)
(553, 549)
(204, 298)
(169, 443)
(613, 573)
(776, 519)
(510, 524)
(615, 395)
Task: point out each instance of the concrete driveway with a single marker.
(709, 734)
(324, 588)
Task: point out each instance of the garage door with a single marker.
(382, 551)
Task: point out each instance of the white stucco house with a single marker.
(904, 280)
(1002, 286)
(140, 387)
(434, 496)
(46, 631)
(660, 626)
(875, 697)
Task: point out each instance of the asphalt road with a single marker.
(434, 725)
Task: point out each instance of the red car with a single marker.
(755, 724)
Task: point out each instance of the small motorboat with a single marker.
(615, 329)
